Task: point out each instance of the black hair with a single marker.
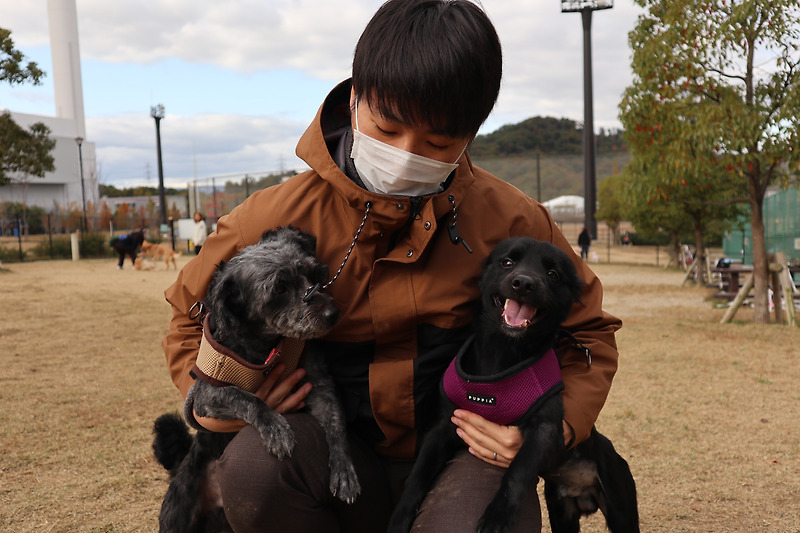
(434, 63)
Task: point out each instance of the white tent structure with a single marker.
(565, 207)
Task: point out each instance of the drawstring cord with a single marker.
(319, 287)
(564, 333)
(452, 229)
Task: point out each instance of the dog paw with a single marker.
(344, 482)
(278, 438)
(491, 523)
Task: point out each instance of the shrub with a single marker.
(10, 255)
(61, 248)
(94, 245)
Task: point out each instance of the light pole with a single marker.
(585, 8)
(157, 112)
(79, 141)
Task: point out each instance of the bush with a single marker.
(94, 245)
(10, 255)
(61, 249)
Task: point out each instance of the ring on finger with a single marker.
(495, 456)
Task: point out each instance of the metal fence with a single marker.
(543, 177)
(781, 228)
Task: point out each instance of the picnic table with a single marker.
(731, 278)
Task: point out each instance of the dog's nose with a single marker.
(522, 284)
(331, 315)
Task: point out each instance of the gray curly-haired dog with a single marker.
(267, 292)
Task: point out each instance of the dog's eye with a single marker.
(507, 263)
(279, 288)
(552, 274)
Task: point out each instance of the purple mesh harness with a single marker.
(503, 398)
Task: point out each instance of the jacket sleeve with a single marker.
(586, 386)
(183, 338)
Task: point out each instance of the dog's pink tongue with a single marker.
(516, 314)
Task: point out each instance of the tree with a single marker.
(610, 207)
(12, 70)
(23, 154)
(722, 79)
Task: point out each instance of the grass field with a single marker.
(706, 414)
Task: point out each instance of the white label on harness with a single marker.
(483, 399)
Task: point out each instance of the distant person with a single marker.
(127, 245)
(200, 231)
(626, 239)
(584, 241)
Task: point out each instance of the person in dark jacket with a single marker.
(391, 178)
(127, 245)
(584, 241)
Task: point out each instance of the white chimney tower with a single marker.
(63, 18)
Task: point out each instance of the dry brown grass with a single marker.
(706, 414)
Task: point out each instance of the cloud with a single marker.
(236, 108)
(213, 144)
(244, 36)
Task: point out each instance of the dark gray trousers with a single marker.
(262, 494)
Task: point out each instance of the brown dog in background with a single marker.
(161, 251)
(143, 264)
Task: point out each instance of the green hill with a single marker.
(511, 154)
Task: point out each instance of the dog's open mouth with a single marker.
(516, 314)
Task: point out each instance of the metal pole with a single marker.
(161, 196)
(589, 172)
(214, 196)
(84, 224)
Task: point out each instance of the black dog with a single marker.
(267, 292)
(127, 245)
(528, 288)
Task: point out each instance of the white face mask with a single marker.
(385, 169)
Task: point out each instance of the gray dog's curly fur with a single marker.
(255, 299)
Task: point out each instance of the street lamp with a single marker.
(157, 112)
(79, 141)
(585, 8)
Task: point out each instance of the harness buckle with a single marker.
(197, 310)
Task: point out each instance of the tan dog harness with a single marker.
(221, 367)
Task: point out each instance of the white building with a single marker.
(63, 185)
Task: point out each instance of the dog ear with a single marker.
(224, 299)
(307, 242)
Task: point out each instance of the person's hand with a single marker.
(279, 396)
(493, 443)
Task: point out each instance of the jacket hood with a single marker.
(321, 139)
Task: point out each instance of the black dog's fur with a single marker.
(577, 482)
(254, 300)
(127, 245)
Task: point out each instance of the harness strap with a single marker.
(505, 398)
(219, 366)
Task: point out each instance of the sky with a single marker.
(241, 80)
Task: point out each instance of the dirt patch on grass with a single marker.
(706, 414)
